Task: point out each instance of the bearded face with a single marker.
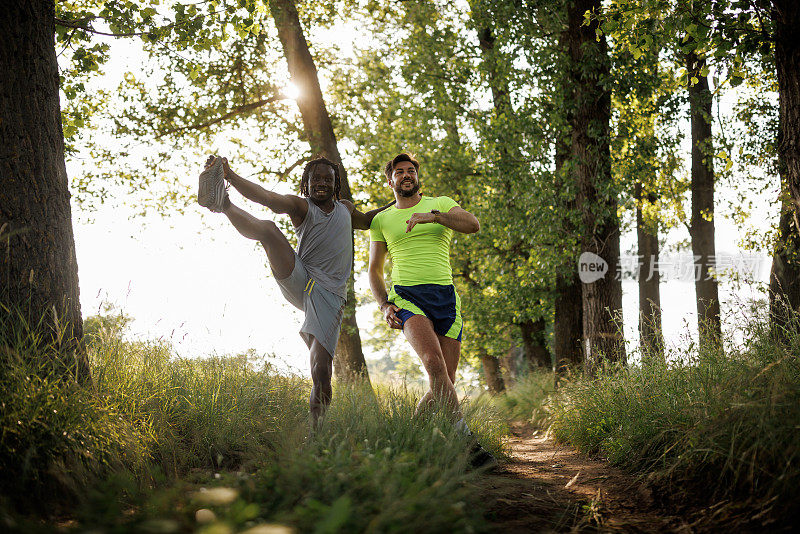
(404, 179)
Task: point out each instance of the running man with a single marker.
(416, 232)
(314, 278)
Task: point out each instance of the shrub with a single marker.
(727, 422)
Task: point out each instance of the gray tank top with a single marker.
(325, 246)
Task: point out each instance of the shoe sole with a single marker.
(211, 193)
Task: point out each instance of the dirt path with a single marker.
(548, 487)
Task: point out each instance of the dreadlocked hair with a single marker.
(337, 185)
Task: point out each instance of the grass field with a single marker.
(712, 424)
(131, 452)
(222, 445)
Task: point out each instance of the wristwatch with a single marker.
(435, 213)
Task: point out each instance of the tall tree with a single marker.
(784, 278)
(534, 344)
(491, 372)
(509, 166)
(222, 52)
(785, 275)
(597, 195)
(568, 305)
(644, 163)
(39, 276)
(651, 336)
(702, 227)
(349, 360)
(786, 17)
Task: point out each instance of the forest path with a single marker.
(548, 487)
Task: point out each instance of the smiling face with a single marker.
(404, 179)
(321, 183)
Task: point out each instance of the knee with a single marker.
(267, 230)
(435, 365)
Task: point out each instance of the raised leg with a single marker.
(279, 251)
(321, 373)
(419, 332)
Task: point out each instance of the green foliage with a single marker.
(527, 399)
(135, 448)
(726, 422)
(468, 88)
(647, 101)
(107, 326)
(202, 65)
(733, 39)
(373, 467)
(145, 410)
(728, 32)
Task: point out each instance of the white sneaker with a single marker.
(212, 192)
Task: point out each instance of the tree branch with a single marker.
(83, 24)
(244, 108)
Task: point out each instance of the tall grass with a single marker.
(373, 467)
(527, 399)
(143, 411)
(725, 423)
(133, 447)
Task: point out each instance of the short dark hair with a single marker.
(403, 156)
(337, 187)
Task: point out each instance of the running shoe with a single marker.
(480, 458)
(212, 193)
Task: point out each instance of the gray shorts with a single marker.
(323, 309)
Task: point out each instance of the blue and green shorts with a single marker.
(439, 303)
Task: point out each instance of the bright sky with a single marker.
(193, 281)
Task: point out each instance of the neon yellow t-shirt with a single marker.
(421, 256)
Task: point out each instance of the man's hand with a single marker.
(362, 221)
(389, 314)
(420, 218)
(226, 170)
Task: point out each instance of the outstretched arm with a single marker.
(292, 205)
(457, 218)
(377, 257)
(361, 221)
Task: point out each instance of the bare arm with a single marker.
(362, 221)
(295, 207)
(457, 218)
(377, 258)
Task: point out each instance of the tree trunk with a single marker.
(784, 279)
(786, 15)
(39, 271)
(534, 343)
(535, 350)
(591, 163)
(651, 337)
(568, 305)
(702, 225)
(510, 364)
(349, 363)
(568, 321)
(491, 371)
(498, 81)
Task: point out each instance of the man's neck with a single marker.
(326, 206)
(407, 202)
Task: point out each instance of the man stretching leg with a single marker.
(314, 278)
(423, 302)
